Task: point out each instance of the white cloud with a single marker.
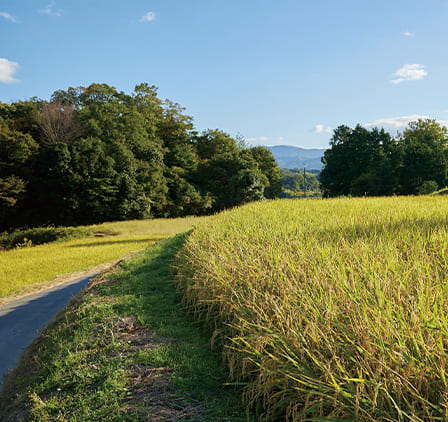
(322, 129)
(392, 124)
(409, 72)
(259, 139)
(262, 140)
(395, 123)
(6, 15)
(49, 10)
(7, 71)
(148, 17)
(409, 34)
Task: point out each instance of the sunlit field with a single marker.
(20, 268)
(328, 308)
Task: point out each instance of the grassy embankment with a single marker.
(22, 268)
(329, 309)
(123, 351)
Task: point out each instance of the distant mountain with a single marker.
(295, 157)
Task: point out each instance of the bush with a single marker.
(427, 187)
(41, 235)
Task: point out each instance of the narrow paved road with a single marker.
(21, 320)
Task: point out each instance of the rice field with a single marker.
(328, 309)
(25, 267)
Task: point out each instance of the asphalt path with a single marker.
(22, 320)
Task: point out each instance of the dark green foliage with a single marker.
(425, 156)
(49, 189)
(95, 154)
(22, 116)
(298, 183)
(41, 235)
(104, 182)
(12, 189)
(232, 173)
(361, 162)
(248, 185)
(427, 187)
(269, 167)
(17, 154)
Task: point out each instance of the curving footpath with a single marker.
(22, 320)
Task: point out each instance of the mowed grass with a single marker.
(21, 268)
(328, 309)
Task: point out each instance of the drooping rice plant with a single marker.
(328, 309)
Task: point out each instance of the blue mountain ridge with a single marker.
(291, 157)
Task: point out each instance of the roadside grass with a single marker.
(125, 350)
(24, 267)
(328, 309)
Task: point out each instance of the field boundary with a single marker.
(63, 278)
(124, 349)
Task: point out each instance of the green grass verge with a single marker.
(124, 351)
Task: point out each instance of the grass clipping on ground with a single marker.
(124, 350)
(329, 309)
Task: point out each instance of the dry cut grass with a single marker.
(22, 268)
(329, 309)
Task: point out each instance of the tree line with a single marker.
(373, 163)
(299, 183)
(94, 154)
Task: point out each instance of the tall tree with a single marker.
(23, 116)
(102, 154)
(129, 120)
(425, 155)
(232, 173)
(269, 167)
(359, 162)
(59, 123)
(17, 153)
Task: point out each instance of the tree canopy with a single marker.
(371, 162)
(92, 154)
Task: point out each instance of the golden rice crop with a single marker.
(328, 309)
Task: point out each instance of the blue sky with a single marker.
(277, 72)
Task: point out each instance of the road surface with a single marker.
(21, 320)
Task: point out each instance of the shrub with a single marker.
(427, 187)
(41, 235)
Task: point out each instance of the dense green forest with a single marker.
(299, 183)
(95, 154)
(362, 162)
